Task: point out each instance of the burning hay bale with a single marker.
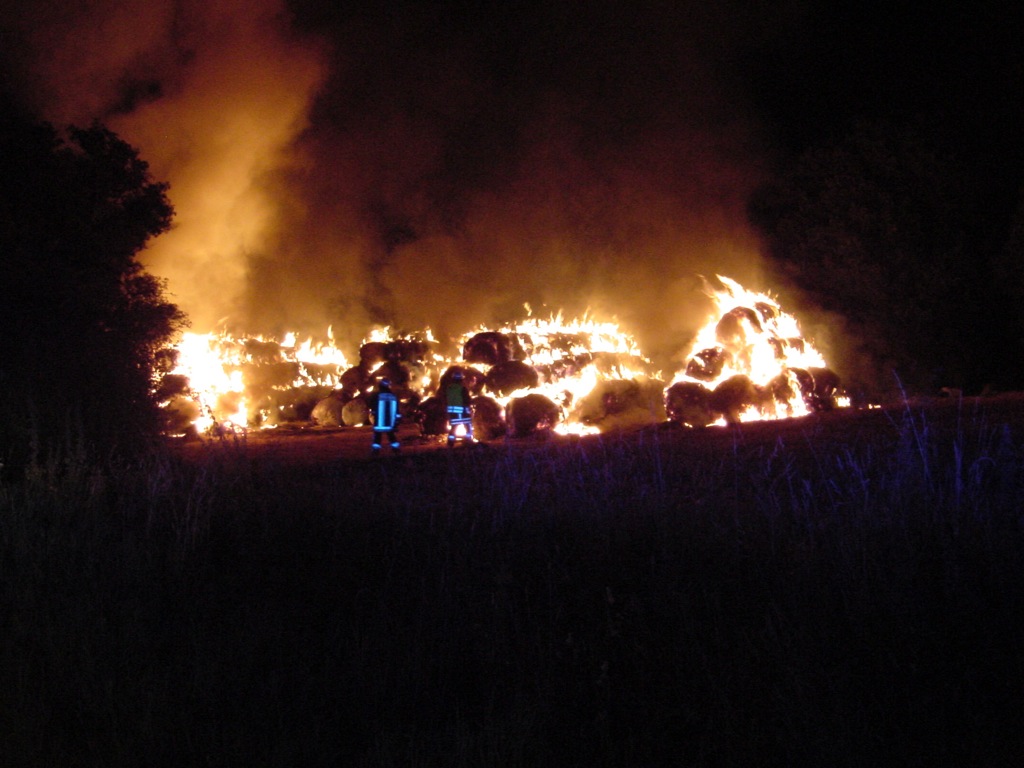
(689, 403)
(707, 365)
(510, 376)
(616, 404)
(818, 386)
(732, 397)
(488, 418)
(530, 414)
(777, 396)
(488, 348)
(737, 328)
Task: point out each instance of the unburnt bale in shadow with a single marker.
(356, 412)
(328, 410)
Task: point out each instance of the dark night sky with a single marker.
(441, 163)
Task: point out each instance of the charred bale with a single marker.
(617, 404)
(707, 364)
(521, 345)
(488, 418)
(530, 414)
(395, 372)
(732, 397)
(818, 387)
(510, 376)
(355, 380)
(409, 351)
(372, 354)
(487, 348)
(689, 403)
(825, 389)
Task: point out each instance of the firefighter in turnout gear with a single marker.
(460, 416)
(384, 411)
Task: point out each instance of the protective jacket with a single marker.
(385, 412)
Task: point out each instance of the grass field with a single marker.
(842, 590)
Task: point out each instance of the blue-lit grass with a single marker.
(844, 591)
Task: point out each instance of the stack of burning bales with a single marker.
(403, 362)
(749, 362)
(721, 381)
(518, 386)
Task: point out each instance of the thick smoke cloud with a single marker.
(420, 166)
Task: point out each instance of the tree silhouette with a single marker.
(84, 325)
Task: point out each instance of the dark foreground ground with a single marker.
(843, 590)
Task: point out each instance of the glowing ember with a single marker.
(576, 376)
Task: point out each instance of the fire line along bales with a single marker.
(581, 376)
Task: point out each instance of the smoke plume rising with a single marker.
(419, 166)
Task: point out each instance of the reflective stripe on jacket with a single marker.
(385, 415)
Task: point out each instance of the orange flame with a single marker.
(591, 370)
